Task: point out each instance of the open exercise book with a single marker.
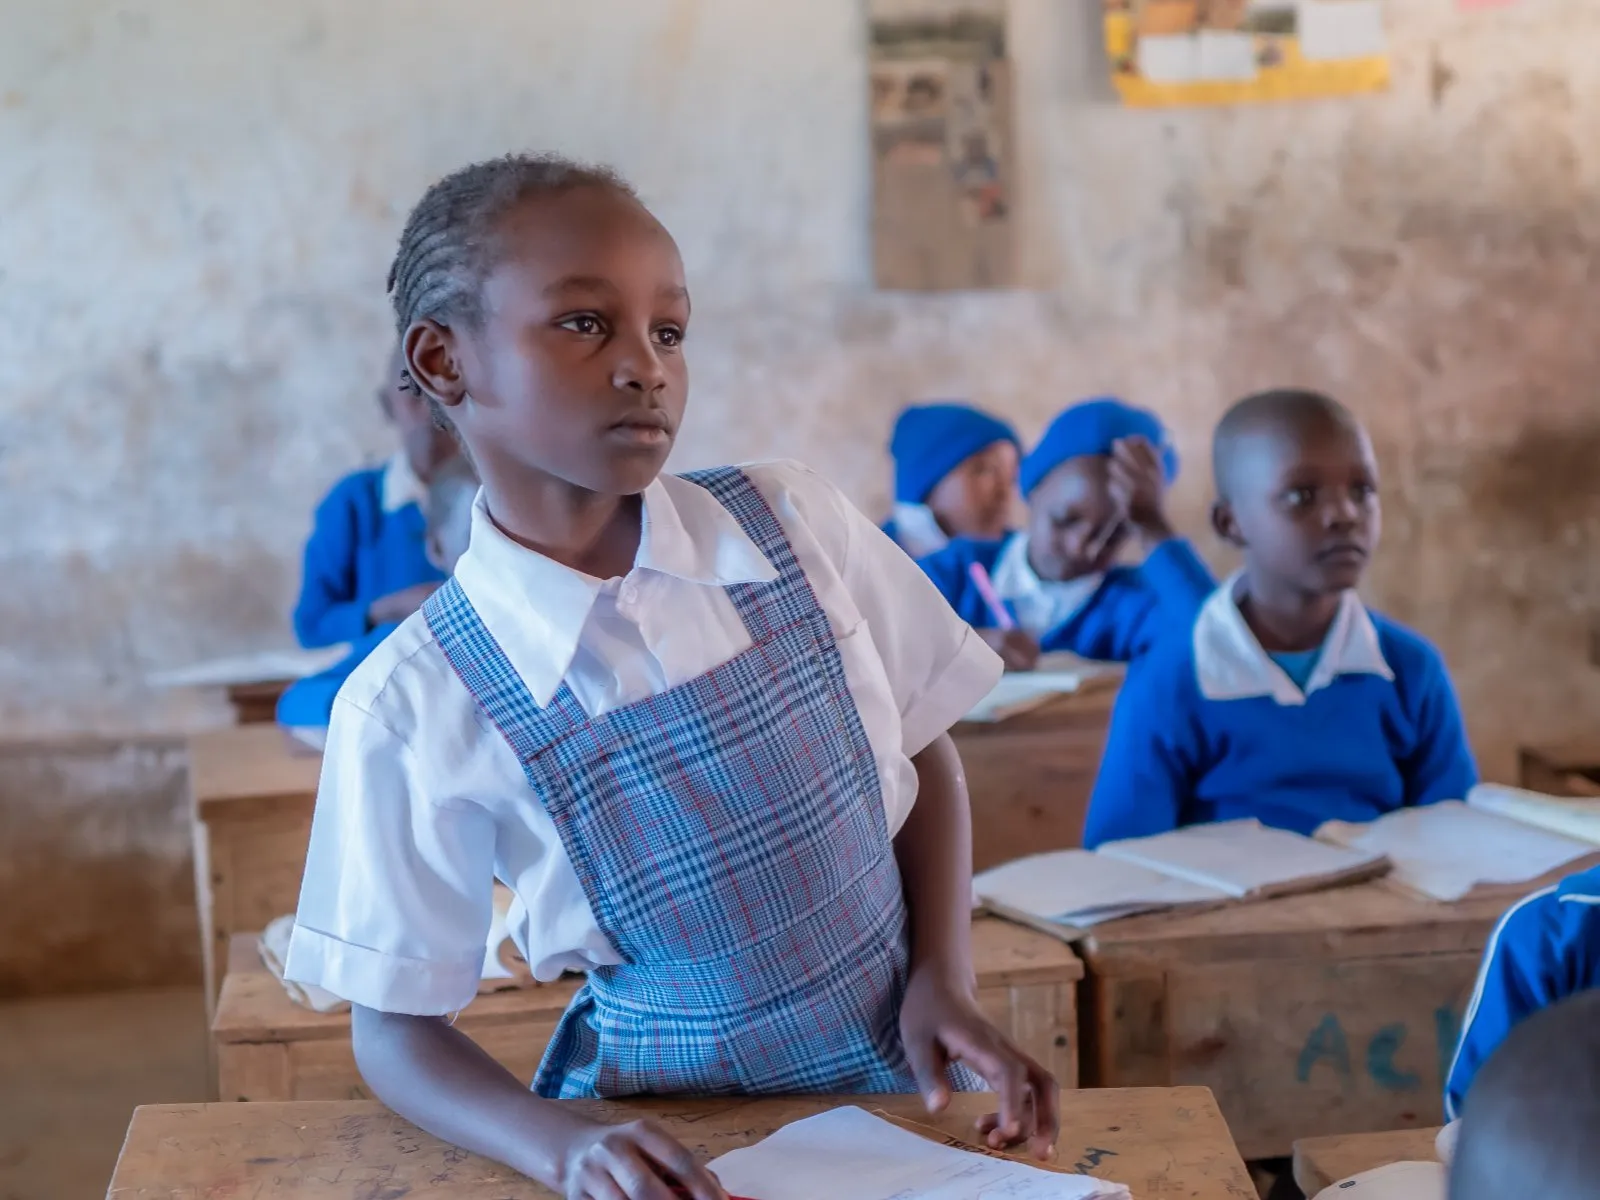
(1499, 840)
(850, 1152)
(1068, 892)
(1056, 675)
(267, 666)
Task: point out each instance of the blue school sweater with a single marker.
(1546, 948)
(358, 552)
(1120, 619)
(1209, 728)
(308, 703)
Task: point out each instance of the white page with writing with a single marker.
(849, 1153)
(1444, 850)
(1075, 887)
(1237, 858)
(1056, 675)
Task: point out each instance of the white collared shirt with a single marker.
(422, 801)
(918, 531)
(1041, 605)
(401, 485)
(1231, 665)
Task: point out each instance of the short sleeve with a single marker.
(397, 897)
(938, 668)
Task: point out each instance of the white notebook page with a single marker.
(848, 1152)
(1237, 858)
(1075, 887)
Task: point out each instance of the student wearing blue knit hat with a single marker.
(955, 475)
(1098, 474)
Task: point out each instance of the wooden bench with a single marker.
(1331, 1013)
(267, 1047)
(256, 703)
(1322, 1162)
(1165, 1145)
(1030, 775)
(252, 791)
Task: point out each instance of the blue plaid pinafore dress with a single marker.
(729, 834)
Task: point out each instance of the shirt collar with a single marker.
(918, 531)
(1231, 665)
(536, 608)
(1042, 605)
(401, 485)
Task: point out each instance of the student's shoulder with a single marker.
(405, 682)
(1408, 653)
(964, 551)
(1555, 921)
(358, 490)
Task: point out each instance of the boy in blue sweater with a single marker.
(366, 564)
(1546, 948)
(1099, 473)
(1289, 702)
(447, 516)
(955, 475)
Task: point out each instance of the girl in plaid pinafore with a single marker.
(715, 776)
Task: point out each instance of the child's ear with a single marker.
(1224, 524)
(432, 360)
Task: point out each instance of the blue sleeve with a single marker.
(1136, 608)
(948, 568)
(1521, 974)
(1440, 766)
(1146, 773)
(329, 611)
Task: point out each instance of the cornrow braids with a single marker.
(447, 247)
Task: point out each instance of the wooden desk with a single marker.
(1322, 1162)
(1165, 1145)
(1331, 1013)
(1030, 776)
(252, 791)
(267, 1047)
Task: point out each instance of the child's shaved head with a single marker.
(1532, 1120)
(1261, 423)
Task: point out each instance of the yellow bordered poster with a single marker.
(1184, 53)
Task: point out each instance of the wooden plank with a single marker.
(1026, 982)
(1310, 1015)
(1322, 1162)
(1165, 1145)
(1030, 777)
(256, 703)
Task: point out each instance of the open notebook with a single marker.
(1067, 892)
(1056, 675)
(268, 666)
(1490, 844)
(849, 1152)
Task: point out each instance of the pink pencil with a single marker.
(997, 606)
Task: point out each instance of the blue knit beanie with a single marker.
(1093, 427)
(931, 440)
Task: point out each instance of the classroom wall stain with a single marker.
(201, 200)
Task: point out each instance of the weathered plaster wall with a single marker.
(198, 202)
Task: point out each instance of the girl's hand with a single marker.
(940, 1024)
(638, 1161)
(1139, 483)
(1016, 649)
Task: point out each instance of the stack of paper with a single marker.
(848, 1152)
(1069, 891)
(1443, 851)
(1019, 691)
